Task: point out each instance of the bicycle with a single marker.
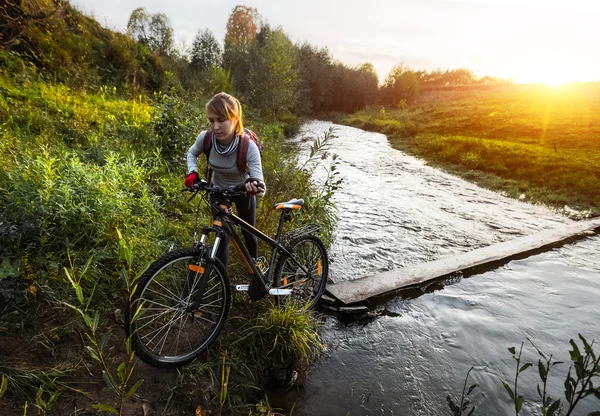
(182, 300)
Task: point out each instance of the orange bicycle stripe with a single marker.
(195, 268)
(239, 250)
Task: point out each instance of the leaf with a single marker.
(525, 367)
(519, 403)
(137, 313)
(3, 386)
(104, 340)
(568, 387)
(471, 388)
(509, 390)
(105, 408)
(110, 381)
(587, 348)
(575, 354)
(136, 386)
(512, 350)
(96, 320)
(70, 278)
(121, 371)
(87, 319)
(10, 270)
(553, 408)
(542, 370)
(452, 406)
(92, 352)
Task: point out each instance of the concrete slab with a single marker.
(359, 290)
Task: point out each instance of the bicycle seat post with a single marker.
(285, 216)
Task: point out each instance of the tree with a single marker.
(400, 84)
(206, 51)
(273, 75)
(366, 83)
(153, 30)
(242, 26)
(314, 72)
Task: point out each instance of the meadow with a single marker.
(533, 142)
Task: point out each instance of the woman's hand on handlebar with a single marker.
(254, 186)
(191, 179)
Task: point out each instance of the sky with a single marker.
(550, 41)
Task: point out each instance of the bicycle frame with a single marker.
(224, 222)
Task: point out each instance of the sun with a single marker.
(554, 80)
(553, 77)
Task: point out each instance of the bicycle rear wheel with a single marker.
(168, 331)
(305, 274)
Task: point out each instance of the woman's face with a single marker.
(222, 127)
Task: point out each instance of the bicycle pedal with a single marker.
(280, 292)
(241, 288)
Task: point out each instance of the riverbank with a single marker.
(535, 143)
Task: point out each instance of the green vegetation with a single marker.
(578, 383)
(583, 370)
(530, 142)
(94, 127)
(77, 169)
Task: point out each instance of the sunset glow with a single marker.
(553, 75)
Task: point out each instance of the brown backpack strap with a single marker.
(242, 153)
(206, 147)
(207, 142)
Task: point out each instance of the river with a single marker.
(395, 210)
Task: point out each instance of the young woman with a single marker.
(226, 133)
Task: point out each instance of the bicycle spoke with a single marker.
(163, 295)
(149, 322)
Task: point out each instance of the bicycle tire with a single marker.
(307, 289)
(166, 331)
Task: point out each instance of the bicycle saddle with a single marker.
(291, 204)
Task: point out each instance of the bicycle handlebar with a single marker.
(229, 192)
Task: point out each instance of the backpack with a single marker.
(242, 150)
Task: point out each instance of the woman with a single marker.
(226, 134)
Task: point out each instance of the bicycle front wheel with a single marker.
(305, 272)
(171, 326)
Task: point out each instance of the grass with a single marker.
(535, 142)
(78, 169)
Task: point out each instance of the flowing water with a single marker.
(394, 210)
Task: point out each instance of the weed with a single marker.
(462, 407)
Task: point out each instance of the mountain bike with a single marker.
(182, 300)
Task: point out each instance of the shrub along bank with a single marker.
(532, 142)
(90, 194)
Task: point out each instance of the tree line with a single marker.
(257, 62)
(261, 64)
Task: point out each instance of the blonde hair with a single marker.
(227, 106)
